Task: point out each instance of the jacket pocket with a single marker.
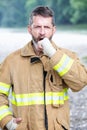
(60, 126)
(59, 93)
(55, 81)
(57, 126)
(62, 117)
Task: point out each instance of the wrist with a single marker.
(11, 125)
(51, 52)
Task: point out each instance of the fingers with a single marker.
(17, 120)
(40, 47)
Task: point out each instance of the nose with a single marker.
(42, 31)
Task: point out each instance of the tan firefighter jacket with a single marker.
(39, 88)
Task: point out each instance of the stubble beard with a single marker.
(36, 40)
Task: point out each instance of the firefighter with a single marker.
(38, 77)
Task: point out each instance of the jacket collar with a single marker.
(28, 50)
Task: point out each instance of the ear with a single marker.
(29, 29)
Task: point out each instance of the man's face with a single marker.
(41, 27)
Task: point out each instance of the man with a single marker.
(40, 75)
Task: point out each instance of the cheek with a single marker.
(49, 34)
(34, 33)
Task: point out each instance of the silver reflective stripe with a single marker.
(4, 111)
(38, 98)
(4, 88)
(64, 65)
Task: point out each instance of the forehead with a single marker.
(39, 20)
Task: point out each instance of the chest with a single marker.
(28, 77)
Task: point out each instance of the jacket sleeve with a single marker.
(70, 69)
(5, 111)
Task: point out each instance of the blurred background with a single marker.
(71, 22)
(15, 13)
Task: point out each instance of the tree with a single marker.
(32, 4)
(80, 11)
(62, 11)
(13, 13)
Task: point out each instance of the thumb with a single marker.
(17, 120)
(39, 45)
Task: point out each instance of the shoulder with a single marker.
(13, 55)
(69, 52)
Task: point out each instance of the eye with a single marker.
(47, 27)
(37, 27)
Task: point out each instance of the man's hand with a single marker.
(11, 125)
(48, 49)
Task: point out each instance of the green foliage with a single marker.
(30, 5)
(15, 13)
(80, 11)
(63, 11)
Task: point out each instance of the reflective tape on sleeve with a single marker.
(4, 88)
(64, 65)
(4, 111)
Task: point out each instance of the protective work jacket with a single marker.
(39, 88)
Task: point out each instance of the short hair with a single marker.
(42, 11)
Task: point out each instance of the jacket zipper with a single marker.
(45, 111)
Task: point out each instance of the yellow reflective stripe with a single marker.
(4, 111)
(4, 88)
(64, 65)
(38, 98)
(60, 97)
(66, 69)
(60, 63)
(27, 99)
